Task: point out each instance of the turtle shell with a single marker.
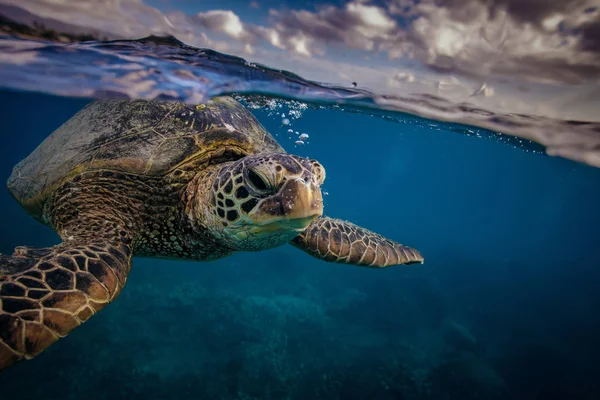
(139, 137)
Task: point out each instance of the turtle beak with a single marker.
(294, 207)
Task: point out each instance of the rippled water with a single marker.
(164, 67)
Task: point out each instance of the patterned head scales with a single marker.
(265, 200)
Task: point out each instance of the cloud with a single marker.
(541, 40)
(223, 21)
(551, 42)
(356, 25)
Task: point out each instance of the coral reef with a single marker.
(233, 340)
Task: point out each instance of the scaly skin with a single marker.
(340, 241)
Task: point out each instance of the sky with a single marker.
(539, 57)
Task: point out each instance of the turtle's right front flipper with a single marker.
(341, 241)
(44, 298)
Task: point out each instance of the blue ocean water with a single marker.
(505, 306)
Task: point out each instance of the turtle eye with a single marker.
(258, 181)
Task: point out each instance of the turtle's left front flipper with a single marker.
(46, 293)
(340, 241)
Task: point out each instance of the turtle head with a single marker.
(265, 200)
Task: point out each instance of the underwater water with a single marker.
(504, 307)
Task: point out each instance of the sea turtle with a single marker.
(127, 178)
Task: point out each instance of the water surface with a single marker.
(520, 68)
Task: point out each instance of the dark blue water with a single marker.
(505, 306)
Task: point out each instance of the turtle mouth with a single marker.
(287, 224)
